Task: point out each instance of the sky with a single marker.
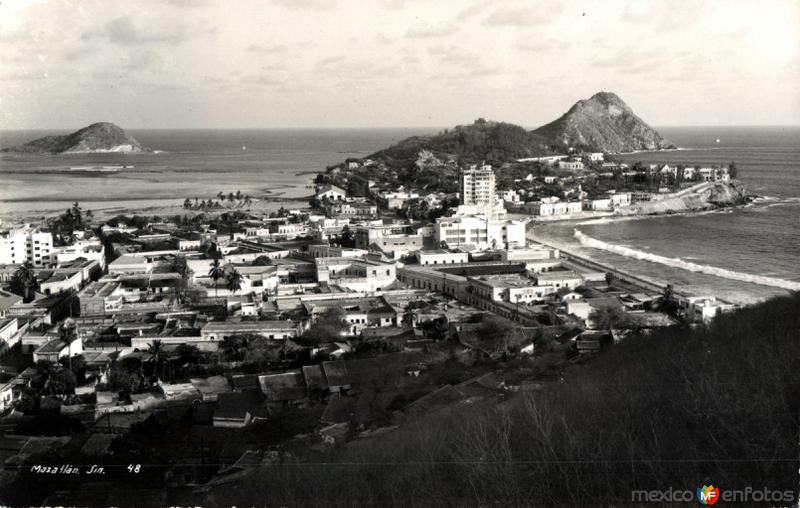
(393, 63)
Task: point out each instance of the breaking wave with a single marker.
(686, 265)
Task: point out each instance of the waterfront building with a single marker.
(479, 231)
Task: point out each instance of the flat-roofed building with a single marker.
(19, 245)
(441, 257)
(216, 331)
(130, 264)
(559, 279)
(100, 297)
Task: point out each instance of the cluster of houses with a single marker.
(394, 286)
(575, 200)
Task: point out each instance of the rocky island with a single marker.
(101, 137)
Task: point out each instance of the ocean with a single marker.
(188, 163)
(743, 254)
(730, 250)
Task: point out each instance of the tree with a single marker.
(606, 318)
(261, 261)
(156, 350)
(178, 265)
(216, 273)
(234, 280)
(187, 203)
(733, 172)
(77, 214)
(328, 327)
(234, 346)
(24, 281)
(668, 303)
(54, 379)
(346, 239)
(188, 353)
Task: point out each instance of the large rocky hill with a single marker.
(96, 138)
(603, 123)
(482, 140)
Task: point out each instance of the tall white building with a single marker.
(478, 193)
(26, 244)
(478, 186)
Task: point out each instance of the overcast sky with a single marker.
(393, 63)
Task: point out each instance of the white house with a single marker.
(330, 192)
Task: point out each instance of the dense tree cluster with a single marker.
(674, 409)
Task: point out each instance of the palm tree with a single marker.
(76, 213)
(179, 265)
(155, 349)
(234, 280)
(216, 272)
(25, 280)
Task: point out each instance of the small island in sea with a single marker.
(101, 137)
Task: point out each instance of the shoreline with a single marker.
(618, 217)
(643, 282)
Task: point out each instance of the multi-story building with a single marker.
(26, 244)
(478, 186)
(480, 232)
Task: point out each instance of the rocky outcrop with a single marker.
(603, 123)
(705, 196)
(100, 137)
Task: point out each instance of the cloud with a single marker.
(306, 4)
(189, 3)
(471, 12)
(543, 46)
(129, 31)
(24, 76)
(461, 62)
(268, 50)
(522, 17)
(430, 32)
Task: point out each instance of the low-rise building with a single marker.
(441, 257)
(356, 274)
(330, 192)
(570, 164)
(216, 331)
(559, 279)
(130, 264)
(56, 349)
(354, 209)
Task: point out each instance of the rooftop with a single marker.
(288, 385)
